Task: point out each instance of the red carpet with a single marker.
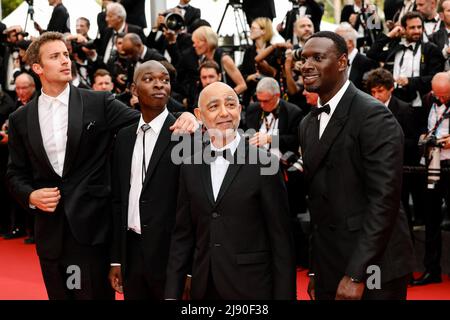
(20, 277)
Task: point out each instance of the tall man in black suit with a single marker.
(352, 152)
(144, 203)
(59, 149)
(380, 84)
(232, 228)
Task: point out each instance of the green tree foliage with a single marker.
(8, 6)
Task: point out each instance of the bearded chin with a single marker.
(312, 88)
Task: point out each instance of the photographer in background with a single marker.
(436, 142)
(59, 21)
(9, 60)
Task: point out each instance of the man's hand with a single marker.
(3, 137)
(445, 142)
(260, 139)
(397, 32)
(353, 18)
(312, 288)
(46, 199)
(187, 289)
(115, 278)
(402, 81)
(349, 290)
(186, 123)
(38, 27)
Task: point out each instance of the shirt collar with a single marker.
(122, 28)
(387, 102)
(156, 124)
(232, 145)
(336, 99)
(63, 97)
(144, 52)
(352, 55)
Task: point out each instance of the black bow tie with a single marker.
(410, 47)
(316, 111)
(431, 20)
(274, 112)
(225, 153)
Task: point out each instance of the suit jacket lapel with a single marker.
(332, 130)
(74, 128)
(206, 176)
(35, 135)
(161, 145)
(128, 155)
(282, 118)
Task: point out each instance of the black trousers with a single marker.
(392, 290)
(80, 273)
(138, 283)
(433, 219)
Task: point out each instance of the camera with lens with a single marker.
(173, 21)
(78, 47)
(291, 162)
(430, 141)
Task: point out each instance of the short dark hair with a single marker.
(339, 42)
(379, 77)
(411, 15)
(209, 64)
(88, 23)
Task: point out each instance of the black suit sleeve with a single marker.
(117, 114)
(289, 140)
(347, 11)
(115, 253)
(19, 172)
(376, 51)
(380, 140)
(182, 244)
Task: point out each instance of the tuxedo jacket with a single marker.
(384, 50)
(258, 8)
(157, 203)
(191, 14)
(135, 12)
(403, 112)
(59, 21)
(242, 240)
(289, 116)
(360, 66)
(354, 178)
(93, 120)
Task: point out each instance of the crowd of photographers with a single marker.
(399, 56)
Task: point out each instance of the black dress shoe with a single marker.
(427, 278)
(16, 233)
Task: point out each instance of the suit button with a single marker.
(215, 215)
(144, 225)
(143, 201)
(217, 245)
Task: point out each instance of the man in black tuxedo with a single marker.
(59, 21)
(144, 203)
(59, 167)
(232, 225)
(380, 84)
(116, 21)
(189, 13)
(309, 8)
(135, 12)
(358, 64)
(441, 38)
(352, 152)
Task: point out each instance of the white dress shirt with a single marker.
(151, 136)
(324, 118)
(270, 126)
(432, 26)
(410, 67)
(443, 130)
(220, 165)
(53, 121)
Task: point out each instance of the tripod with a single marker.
(239, 19)
(30, 14)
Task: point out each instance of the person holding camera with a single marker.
(441, 38)
(59, 21)
(436, 142)
(9, 60)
